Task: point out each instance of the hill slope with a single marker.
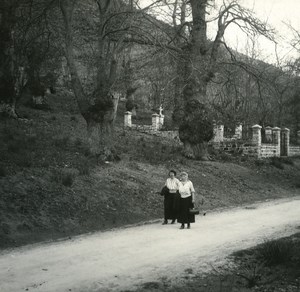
(51, 187)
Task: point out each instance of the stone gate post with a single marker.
(218, 133)
(127, 120)
(256, 139)
(161, 121)
(286, 142)
(155, 122)
(238, 131)
(276, 140)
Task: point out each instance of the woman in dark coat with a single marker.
(171, 191)
(187, 200)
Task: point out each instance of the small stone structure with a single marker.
(127, 120)
(157, 122)
(218, 133)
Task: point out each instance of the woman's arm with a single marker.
(192, 192)
(193, 197)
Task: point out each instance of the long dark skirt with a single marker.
(171, 206)
(184, 215)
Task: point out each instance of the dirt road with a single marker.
(121, 259)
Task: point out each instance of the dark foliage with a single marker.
(276, 252)
(197, 126)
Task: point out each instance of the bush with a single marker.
(251, 273)
(63, 176)
(83, 167)
(197, 126)
(14, 146)
(157, 153)
(67, 179)
(287, 160)
(2, 171)
(78, 142)
(276, 252)
(61, 142)
(297, 184)
(24, 159)
(277, 162)
(259, 162)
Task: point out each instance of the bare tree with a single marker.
(8, 17)
(117, 24)
(26, 40)
(200, 57)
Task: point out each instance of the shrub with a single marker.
(83, 167)
(251, 273)
(8, 134)
(276, 252)
(63, 176)
(61, 142)
(87, 151)
(259, 162)
(67, 179)
(2, 171)
(157, 153)
(197, 127)
(276, 161)
(24, 159)
(14, 146)
(287, 160)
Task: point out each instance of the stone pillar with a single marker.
(256, 138)
(161, 121)
(268, 134)
(238, 132)
(298, 137)
(286, 142)
(127, 120)
(276, 139)
(218, 133)
(155, 122)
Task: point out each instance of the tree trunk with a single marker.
(101, 136)
(7, 76)
(201, 151)
(101, 113)
(196, 75)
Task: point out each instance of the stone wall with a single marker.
(276, 138)
(269, 150)
(294, 151)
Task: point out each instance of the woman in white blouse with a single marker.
(187, 200)
(172, 183)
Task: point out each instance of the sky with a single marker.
(276, 13)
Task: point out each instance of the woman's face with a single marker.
(184, 177)
(172, 174)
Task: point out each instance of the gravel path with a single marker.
(123, 258)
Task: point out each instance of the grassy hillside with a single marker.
(52, 187)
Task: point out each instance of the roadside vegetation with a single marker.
(270, 266)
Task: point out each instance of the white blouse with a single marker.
(172, 184)
(186, 189)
